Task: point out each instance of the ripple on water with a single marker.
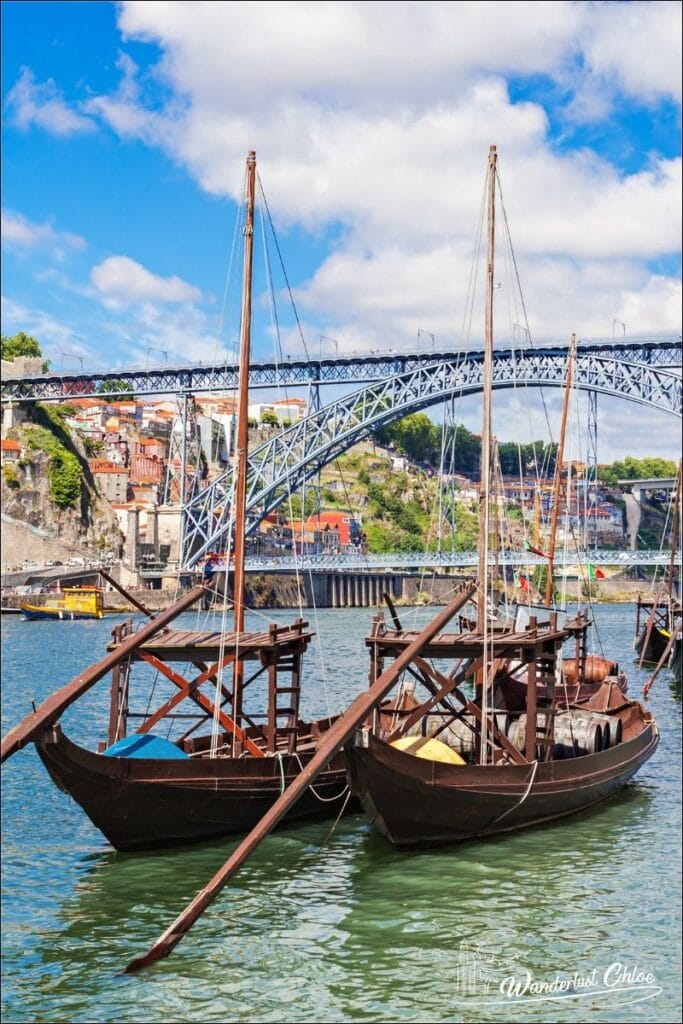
(355, 932)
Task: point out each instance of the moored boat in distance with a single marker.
(75, 603)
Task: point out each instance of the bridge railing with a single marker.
(444, 559)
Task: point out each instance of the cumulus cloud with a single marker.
(121, 280)
(41, 104)
(19, 232)
(56, 338)
(374, 121)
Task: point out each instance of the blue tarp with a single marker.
(145, 745)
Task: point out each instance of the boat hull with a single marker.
(56, 614)
(676, 659)
(141, 804)
(415, 803)
(650, 648)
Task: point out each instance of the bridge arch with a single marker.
(288, 459)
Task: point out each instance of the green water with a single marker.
(355, 931)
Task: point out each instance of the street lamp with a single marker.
(153, 348)
(623, 326)
(71, 355)
(525, 330)
(429, 335)
(324, 337)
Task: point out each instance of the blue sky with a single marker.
(126, 126)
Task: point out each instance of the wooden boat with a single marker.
(143, 791)
(485, 766)
(516, 769)
(76, 603)
(658, 637)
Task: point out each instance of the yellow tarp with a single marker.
(429, 749)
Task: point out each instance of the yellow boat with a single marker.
(75, 603)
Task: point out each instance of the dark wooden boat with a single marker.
(141, 803)
(415, 802)
(653, 636)
(659, 619)
(144, 791)
(518, 749)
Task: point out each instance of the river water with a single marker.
(355, 931)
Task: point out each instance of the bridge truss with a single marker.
(354, 368)
(288, 459)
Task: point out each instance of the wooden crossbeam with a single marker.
(185, 691)
(204, 703)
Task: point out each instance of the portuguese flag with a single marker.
(521, 582)
(594, 573)
(533, 550)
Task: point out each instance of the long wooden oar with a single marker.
(660, 664)
(330, 745)
(50, 710)
(124, 593)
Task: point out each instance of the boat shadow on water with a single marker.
(120, 897)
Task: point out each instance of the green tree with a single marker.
(19, 345)
(269, 418)
(119, 389)
(637, 469)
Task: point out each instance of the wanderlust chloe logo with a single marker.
(481, 972)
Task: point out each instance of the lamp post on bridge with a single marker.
(71, 355)
(616, 321)
(324, 337)
(429, 335)
(153, 348)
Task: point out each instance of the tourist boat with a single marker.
(75, 603)
(458, 767)
(144, 791)
(658, 637)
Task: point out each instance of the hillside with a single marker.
(399, 507)
(50, 505)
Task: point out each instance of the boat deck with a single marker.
(192, 645)
(465, 645)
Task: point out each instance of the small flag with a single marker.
(534, 551)
(594, 573)
(521, 582)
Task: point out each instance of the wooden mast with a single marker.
(332, 741)
(674, 537)
(488, 374)
(243, 430)
(558, 472)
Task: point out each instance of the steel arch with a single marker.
(284, 462)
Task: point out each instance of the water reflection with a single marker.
(357, 931)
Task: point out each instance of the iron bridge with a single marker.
(282, 464)
(352, 368)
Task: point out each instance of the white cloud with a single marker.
(119, 279)
(42, 104)
(636, 46)
(17, 231)
(56, 338)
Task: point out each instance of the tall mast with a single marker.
(243, 429)
(674, 535)
(488, 374)
(558, 472)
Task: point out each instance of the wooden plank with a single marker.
(330, 744)
(50, 710)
